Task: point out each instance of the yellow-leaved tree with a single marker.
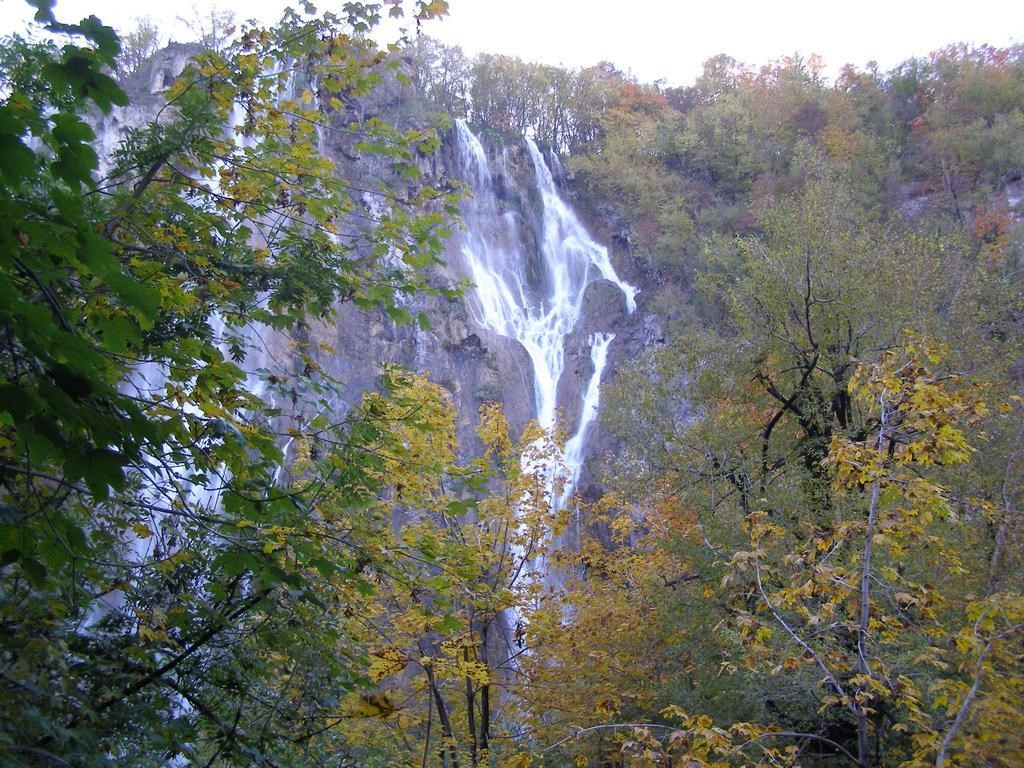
(449, 565)
(915, 662)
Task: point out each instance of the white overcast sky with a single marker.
(651, 38)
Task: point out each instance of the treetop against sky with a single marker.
(655, 39)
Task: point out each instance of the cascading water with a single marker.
(574, 448)
(169, 482)
(536, 299)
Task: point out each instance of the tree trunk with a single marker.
(470, 711)
(442, 715)
(485, 702)
(863, 749)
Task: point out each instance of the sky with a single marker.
(654, 39)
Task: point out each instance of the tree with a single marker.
(163, 587)
(860, 601)
(211, 30)
(446, 633)
(733, 431)
(873, 637)
(137, 46)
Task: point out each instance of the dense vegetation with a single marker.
(810, 548)
(814, 515)
(166, 591)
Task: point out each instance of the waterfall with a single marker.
(172, 482)
(573, 459)
(567, 241)
(535, 298)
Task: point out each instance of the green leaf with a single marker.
(400, 315)
(107, 43)
(119, 333)
(101, 468)
(137, 296)
(17, 161)
(35, 570)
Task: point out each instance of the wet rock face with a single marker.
(545, 286)
(604, 309)
(155, 76)
(146, 89)
(464, 354)
(472, 363)
(477, 364)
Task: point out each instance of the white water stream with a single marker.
(535, 298)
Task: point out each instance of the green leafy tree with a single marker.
(164, 586)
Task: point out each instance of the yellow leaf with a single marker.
(385, 662)
(370, 705)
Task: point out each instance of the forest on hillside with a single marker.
(808, 544)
